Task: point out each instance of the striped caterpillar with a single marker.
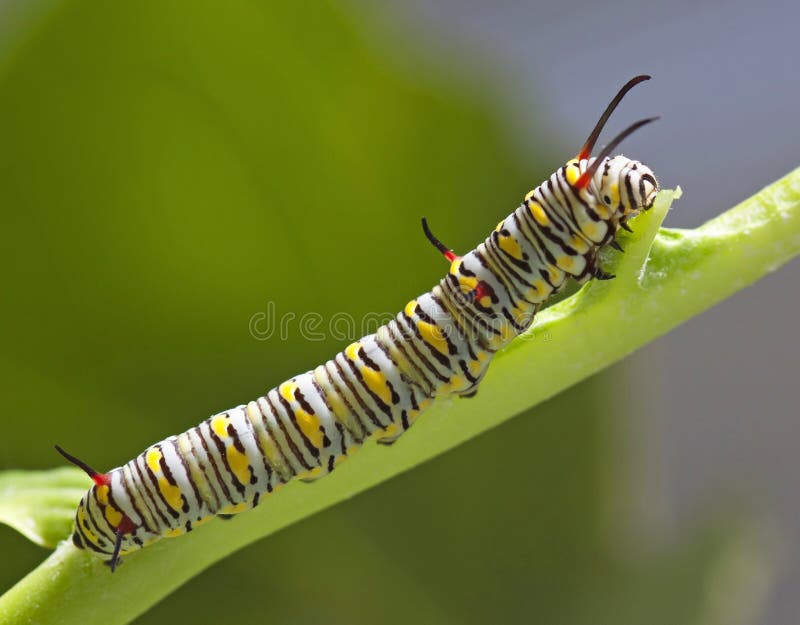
(440, 344)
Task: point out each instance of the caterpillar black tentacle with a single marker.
(440, 344)
(446, 251)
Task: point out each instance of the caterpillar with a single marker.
(440, 344)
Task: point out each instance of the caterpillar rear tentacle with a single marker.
(440, 344)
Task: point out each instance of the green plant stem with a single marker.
(686, 272)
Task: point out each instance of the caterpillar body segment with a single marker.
(440, 344)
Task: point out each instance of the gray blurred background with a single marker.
(719, 412)
(144, 143)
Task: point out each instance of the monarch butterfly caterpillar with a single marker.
(440, 344)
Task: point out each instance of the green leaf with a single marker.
(686, 272)
(41, 504)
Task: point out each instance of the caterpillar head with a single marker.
(625, 186)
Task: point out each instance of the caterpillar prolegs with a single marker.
(440, 344)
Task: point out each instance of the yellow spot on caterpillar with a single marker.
(520, 314)
(313, 474)
(339, 407)
(467, 284)
(529, 194)
(287, 389)
(376, 382)
(102, 494)
(340, 459)
(113, 516)
(234, 508)
(500, 226)
(578, 243)
(265, 441)
(485, 301)
(175, 532)
(85, 526)
(433, 336)
(351, 351)
(511, 247)
(539, 216)
(205, 519)
(474, 367)
(556, 276)
(335, 401)
(543, 289)
(402, 362)
(591, 230)
(391, 430)
(454, 266)
(423, 404)
(220, 426)
(239, 464)
(573, 172)
(410, 307)
(458, 383)
(172, 494)
(273, 453)
(185, 444)
(153, 458)
(310, 427)
(565, 262)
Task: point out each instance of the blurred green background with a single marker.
(167, 170)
